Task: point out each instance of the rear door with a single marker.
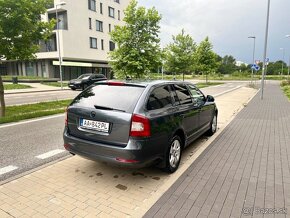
(103, 113)
(187, 111)
(160, 111)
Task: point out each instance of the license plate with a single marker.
(95, 125)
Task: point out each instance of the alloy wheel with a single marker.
(174, 154)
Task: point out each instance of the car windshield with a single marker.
(84, 76)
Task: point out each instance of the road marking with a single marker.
(31, 121)
(7, 169)
(50, 154)
(230, 90)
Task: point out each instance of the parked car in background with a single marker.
(85, 80)
(138, 123)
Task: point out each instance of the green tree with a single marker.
(206, 60)
(179, 55)
(244, 68)
(20, 31)
(228, 65)
(138, 49)
(274, 68)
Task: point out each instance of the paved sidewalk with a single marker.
(245, 170)
(36, 87)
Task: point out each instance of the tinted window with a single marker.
(84, 76)
(182, 94)
(100, 76)
(197, 96)
(117, 97)
(159, 98)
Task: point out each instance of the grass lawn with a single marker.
(24, 77)
(15, 86)
(218, 77)
(203, 85)
(285, 85)
(27, 111)
(56, 84)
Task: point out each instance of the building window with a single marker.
(112, 46)
(92, 5)
(99, 25)
(110, 28)
(119, 15)
(62, 20)
(101, 8)
(111, 12)
(102, 44)
(49, 45)
(90, 23)
(118, 1)
(93, 42)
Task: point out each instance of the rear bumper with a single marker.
(137, 153)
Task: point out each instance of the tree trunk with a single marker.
(182, 76)
(2, 100)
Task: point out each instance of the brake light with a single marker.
(140, 126)
(113, 83)
(66, 146)
(65, 118)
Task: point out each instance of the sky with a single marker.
(228, 23)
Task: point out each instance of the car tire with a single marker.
(173, 154)
(213, 126)
(85, 86)
(73, 89)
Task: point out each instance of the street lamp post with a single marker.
(282, 73)
(254, 48)
(58, 41)
(265, 50)
(288, 36)
(288, 69)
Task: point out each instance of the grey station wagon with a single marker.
(138, 123)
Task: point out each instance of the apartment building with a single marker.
(84, 27)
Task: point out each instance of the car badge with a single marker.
(93, 114)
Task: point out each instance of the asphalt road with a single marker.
(34, 97)
(27, 145)
(26, 98)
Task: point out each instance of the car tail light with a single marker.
(126, 160)
(65, 118)
(66, 146)
(140, 126)
(115, 83)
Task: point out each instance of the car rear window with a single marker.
(116, 97)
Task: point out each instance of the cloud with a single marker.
(228, 23)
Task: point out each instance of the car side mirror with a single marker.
(210, 98)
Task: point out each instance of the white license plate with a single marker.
(95, 125)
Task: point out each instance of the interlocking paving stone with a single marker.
(245, 169)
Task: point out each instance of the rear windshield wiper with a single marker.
(107, 108)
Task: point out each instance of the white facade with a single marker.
(84, 27)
